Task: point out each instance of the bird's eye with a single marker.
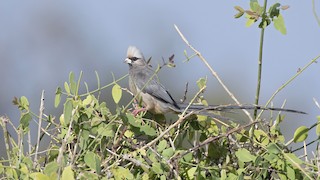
(134, 58)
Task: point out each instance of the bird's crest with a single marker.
(134, 52)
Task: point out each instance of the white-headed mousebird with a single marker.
(156, 98)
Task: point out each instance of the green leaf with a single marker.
(238, 8)
(73, 85)
(238, 15)
(67, 111)
(88, 100)
(272, 148)
(39, 176)
(188, 157)
(249, 21)
(300, 134)
(290, 173)
(116, 93)
(1, 168)
(318, 126)
(255, 6)
(136, 122)
(191, 173)
(66, 87)
(11, 173)
(162, 145)
(240, 11)
(106, 130)
(245, 156)
(120, 173)
(23, 168)
(67, 173)
(202, 83)
(57, 98)
(93, 161)
(274, 10)
(24, 103)
(279, 24)
(25, 119)
(292, 159)
(145, 176)
(168, 153)
(51, 168)
(156, 167)
(223, 174)
(148, 130)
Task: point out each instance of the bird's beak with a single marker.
(128, 61)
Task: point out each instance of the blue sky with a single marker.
(42, 41)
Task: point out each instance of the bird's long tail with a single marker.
(230, 107)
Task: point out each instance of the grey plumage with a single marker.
(156, 99)
(153, 94)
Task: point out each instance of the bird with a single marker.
(144, 84)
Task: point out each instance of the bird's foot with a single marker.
(138, 110)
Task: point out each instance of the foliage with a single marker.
(91, 142)
(257, 12)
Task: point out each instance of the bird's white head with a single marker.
(135, 57)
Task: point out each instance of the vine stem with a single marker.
(260, 64)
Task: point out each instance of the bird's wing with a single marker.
(153, 87)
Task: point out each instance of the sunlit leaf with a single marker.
(116, 93)
(67, 173)
(24, 103)
(39, 176)
(191, 172)
(88, 100)
(279, 24)
(202, 82)
(250, 22)
(120, 173)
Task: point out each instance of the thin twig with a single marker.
(288, 82)
(212, 71)
(39, 128)
(127, 157)
(316, 102)
(315, 12)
